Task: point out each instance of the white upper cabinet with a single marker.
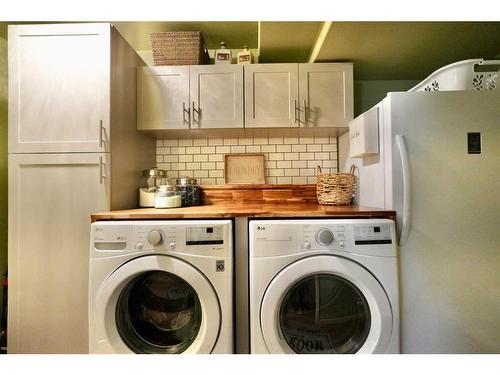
(59, 85)
(190, 97)
(326, 94)
(216, 96)
(271, 95)
(163, 98)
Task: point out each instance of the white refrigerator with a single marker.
(437, 163)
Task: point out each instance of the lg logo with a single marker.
(261, 228)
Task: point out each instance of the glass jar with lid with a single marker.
(167, 196)
(150, 180)
(190, 191)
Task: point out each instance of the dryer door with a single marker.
(325, 304)
(158, 304)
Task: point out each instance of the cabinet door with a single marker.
(216, 96)
(59, 81)
(163, 98)
(51, 198)
(271, 95)
(326, 95)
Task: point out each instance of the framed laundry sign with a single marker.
(244, 169)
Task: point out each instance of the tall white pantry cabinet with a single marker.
(73, 150)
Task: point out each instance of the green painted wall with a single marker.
(3, 150)
(369, 93)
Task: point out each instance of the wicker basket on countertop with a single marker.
(179, 48)
(336, 189)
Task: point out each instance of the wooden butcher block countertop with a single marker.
(230, 201)
(226, 210)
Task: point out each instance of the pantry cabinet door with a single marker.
(271, 95)
(51, 198)
(326, 94)
(216, 96)
(163, 98)
(59, 82)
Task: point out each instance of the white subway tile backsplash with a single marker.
(245, 141)
(299, 148)
(287, 159)
(238, 149)
(216, 173)
(185, 158)
(177, 150)
(223, 149)
(313, 148)
(260, 141)
(290, 140)
(284, 148)
(200, 142)
(305, 140)
(283, 180)
(268, 148)
(215, 142)
(292, 172)
(185, 142)
(209, 165)
(171, 158)
(170, 142)
(276, 156)
(193, 166)
(163, 150)
(193, 150)
(230, 141)
(276, 141)
(284, 164)
(201, 157)
(200, 173)
(253, 149)
(291, 156)
(299, 164)
(324, 140)
(321, 156)
(215, 157)
(299, 180)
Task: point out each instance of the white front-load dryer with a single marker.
(323, 286)
(162, 287)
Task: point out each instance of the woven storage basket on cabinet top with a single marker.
(336, 189)
(179, 48)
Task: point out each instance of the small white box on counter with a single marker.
(363, 134)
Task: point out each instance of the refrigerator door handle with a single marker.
(405, 166)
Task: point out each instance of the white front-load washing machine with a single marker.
(323, 286)
(161, 287)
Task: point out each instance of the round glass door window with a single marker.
(158, 312)
(324, 313)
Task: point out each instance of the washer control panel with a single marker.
(323, 236)
(206, 235)
(372, 234)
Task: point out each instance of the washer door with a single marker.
(159, 304)
(325, 304)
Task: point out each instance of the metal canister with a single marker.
(190, 191)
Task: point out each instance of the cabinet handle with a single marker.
(102, 170)
(305, 112)
(101, 137)
(184, 114)
(295, 111)
(198, 112)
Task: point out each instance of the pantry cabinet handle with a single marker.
(184, 110)
(102, 169)
(101, 137)
(305, 112)
(295, 111)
